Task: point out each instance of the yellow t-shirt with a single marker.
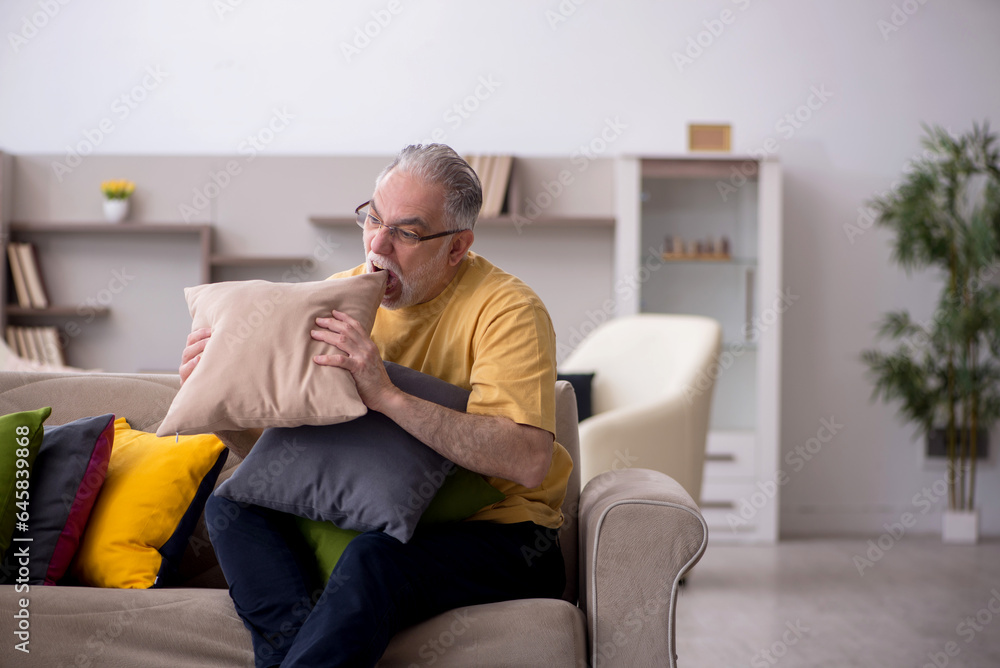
(490, 333)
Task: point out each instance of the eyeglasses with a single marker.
(367, 220)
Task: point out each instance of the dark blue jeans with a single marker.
(379, 586)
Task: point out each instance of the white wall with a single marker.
(556, 87)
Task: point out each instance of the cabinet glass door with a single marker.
(709, 266)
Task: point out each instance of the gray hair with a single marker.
(441, 165)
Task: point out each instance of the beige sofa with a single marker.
(627, 540)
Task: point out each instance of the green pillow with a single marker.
(326, 540)
(20, 440)
(462, 494)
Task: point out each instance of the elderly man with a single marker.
(452, 314)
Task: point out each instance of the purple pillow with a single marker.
(65, 481)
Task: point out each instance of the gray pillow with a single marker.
(366, 474)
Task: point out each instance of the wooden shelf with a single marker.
(703, 257)
(699, 168)
(109, 228)
(334, 221)
(501, 221)
(203, 231)
(256, 261)
(55, 311)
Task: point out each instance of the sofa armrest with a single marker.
(640, 532)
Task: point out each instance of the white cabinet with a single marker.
(665, 205)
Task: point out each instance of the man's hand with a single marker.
(196, 342)
(489, 444)
(362, 358)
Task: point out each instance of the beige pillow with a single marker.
(257, 368)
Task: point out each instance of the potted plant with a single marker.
(945, 372)
(116, 194)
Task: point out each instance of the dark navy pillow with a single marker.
(581, 383)
(65, 480)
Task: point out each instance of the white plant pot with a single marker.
(960, 527)
(115, 210)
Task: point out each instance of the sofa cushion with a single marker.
(153, 494)
(65, 482)
(142, 398)
(257, 369)
(21, 438)
(527, 632)
(91, 627)
(78, 626)
(368, 474)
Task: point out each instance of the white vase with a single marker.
(960, 527)
(115, 210)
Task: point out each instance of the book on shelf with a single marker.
(32, 276)
(17, 274)
(494, 176)
(52, 349)
(39, 344)
(24, 349)
(27, 279)
(499, 180)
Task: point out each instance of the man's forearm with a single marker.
(491, 445)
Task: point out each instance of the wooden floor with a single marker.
(843, 603)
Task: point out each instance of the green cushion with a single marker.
(20, 440)
(327, 541)
(462, 495)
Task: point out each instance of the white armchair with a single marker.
(651, 395)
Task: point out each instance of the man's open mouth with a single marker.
(392, 280)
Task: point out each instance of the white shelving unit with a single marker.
(695, 197)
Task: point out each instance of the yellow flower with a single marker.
(117, 188)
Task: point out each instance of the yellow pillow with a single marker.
(152, 497)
